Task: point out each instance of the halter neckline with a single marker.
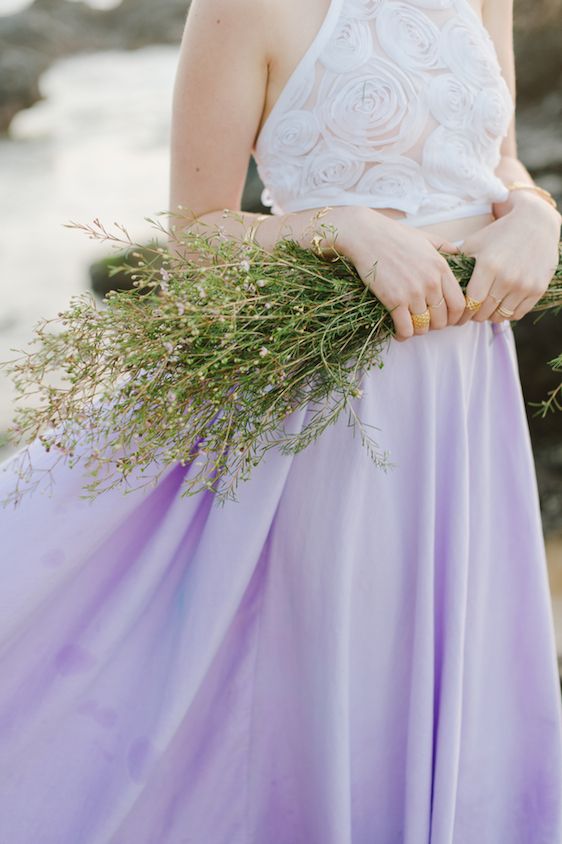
(311, 54)
(395, 103)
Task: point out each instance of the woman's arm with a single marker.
(218, 102)
(498, 20)
(517, 254)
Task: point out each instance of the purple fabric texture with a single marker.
(343, 656)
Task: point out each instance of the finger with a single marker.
(403, 326)
(438, 313)
(418, 305)
(441, 243)
(510, 302)
(478, 288)
(454, 298)
(439, 307)
(471, 244)
(496, 297)
(526, 305)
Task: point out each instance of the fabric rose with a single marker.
(469, 52)
(493, 109)
(349, 47)
(451, 163)
(364, 8)
(450, 101)
(281, 179)
(432, 4)
(329, 170)
(376, 108)
(268, 200)
(295, 133)
(396, 181)
(409, 37)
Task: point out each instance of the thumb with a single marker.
(471, 244)
(442, 244)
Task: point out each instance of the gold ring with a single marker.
(473, 304)
(504, 312)
(421, 320)
(442, 299)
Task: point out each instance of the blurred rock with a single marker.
(20, 70)
(539, 341)
(137, 23)
(537, 41)
(548, 462)
(538, 337)
(49, 29)
(104, 275)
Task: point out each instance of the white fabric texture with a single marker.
(396, 104)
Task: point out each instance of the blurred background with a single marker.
(85, 105)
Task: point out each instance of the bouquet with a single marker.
(205, 358)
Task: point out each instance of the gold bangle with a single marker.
(541, 191)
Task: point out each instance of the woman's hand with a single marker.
(516, 257)
(403, 268)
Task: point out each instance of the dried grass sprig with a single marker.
(203, 360)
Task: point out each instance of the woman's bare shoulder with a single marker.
(230, 16)
(278, 29)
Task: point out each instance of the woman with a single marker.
(342, 656)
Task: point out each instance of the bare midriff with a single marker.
(452, 230)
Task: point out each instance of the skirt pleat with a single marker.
(344, 655)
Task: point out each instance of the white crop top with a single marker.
(396, 104)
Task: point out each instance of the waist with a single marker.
(455, 224)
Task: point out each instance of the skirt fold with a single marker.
(344, 655)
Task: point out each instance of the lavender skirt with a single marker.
(343, 656)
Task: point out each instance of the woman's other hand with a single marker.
(403, 268)
(516, 257)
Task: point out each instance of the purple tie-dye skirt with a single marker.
(342, 656)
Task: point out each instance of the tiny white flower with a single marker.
(169, 347)
(263, 351)
(261, 282)
(165, 274)
(267, 305)
(245, 264)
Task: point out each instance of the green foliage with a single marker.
(203, 360)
